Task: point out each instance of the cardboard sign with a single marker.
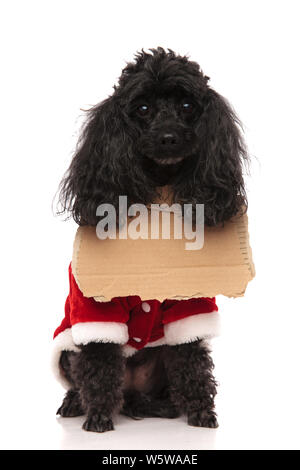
(163, 268)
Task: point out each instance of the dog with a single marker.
(163, 125)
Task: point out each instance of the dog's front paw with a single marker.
(97, 423)
(203, 419)
(71, 405)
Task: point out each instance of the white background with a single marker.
(60, 56)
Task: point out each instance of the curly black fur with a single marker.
(121, 149)
(181, 381)
(96, 374)
(162, 125)
(192, 387)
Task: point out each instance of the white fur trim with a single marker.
(186, 330)
(106, 332)
(130, 350)
(62, 342)
(158, 342)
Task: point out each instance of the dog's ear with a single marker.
(219, 170)
(101, 168)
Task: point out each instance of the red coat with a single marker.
(131, 322)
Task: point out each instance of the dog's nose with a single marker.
(168, 138)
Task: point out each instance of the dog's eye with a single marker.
(187, 107)
(143, 109)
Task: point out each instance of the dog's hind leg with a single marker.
(141, 405)
(98, 373)
(71, 405)
(192, 385)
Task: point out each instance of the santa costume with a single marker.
(131, 322)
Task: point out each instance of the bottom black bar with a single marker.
(131, 458)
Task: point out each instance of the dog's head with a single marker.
(162, 125)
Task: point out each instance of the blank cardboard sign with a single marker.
(163, 268)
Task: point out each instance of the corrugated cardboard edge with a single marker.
(243, 234)
(76, 249)
(241, 223)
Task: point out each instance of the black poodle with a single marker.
(163, 125)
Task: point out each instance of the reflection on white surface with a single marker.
(150, 433)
